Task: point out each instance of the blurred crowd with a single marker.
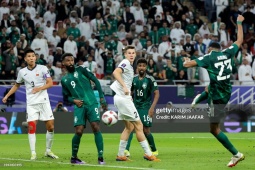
(95, 32)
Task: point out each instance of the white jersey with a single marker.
(34, 78)
(127, 76)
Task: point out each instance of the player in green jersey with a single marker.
(218, 65)
(77, 86)
(142, 87)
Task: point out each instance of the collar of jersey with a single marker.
(32, 68)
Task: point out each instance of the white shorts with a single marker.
(126, 108)
(40, 111)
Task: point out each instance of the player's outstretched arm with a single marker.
(239, 40)
(189, 63)
(13, 90)
(48, 84)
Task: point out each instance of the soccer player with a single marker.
(37, 80)
(127, 112)
(77, 86)
(143, 86)
(218, 65)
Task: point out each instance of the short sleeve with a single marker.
(45, 72)
(123, 65)
(19, 78)
(203, 61)
(231, 51)
(154, 84)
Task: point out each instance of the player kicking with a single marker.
(143, 86)
(218, 65)
(126, 109)
(77, 86)
(37, 80)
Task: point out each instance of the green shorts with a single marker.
(217, 109)
(84, 113)
(146, 120)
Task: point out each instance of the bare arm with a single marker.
(13, 90)
(153, 105)
(117, 75)
(189, 63)
(239, 40)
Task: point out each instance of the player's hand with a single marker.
(151, 112)
(103, 104)
(78, 103)
(126, 91)
(36, 90)
(4, 100)
(240, 18)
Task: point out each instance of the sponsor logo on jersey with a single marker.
(144, 85)
(75, 74)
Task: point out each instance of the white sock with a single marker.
(238, 154)
(32, 141)
(122, 147)
(146, 147)
(49, 140)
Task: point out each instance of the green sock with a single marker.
(99, 143)
(151, 142)
(129, 141)
(223, 139)
(75, 145)
(202, 97)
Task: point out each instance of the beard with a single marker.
(141, 73)
(70, 68)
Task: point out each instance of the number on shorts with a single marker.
(73, 84)
(96, 110)
(32, 83)
(136, 116)
(146, 118)
(222, 65)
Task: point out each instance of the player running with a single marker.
(127, 112)
(37, 80)
(218, 65)
(77, 86)
(143, 86)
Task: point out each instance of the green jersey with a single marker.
(143, 89)
(219, 67)
(74, 31)
(77, 85)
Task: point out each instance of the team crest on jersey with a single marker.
(144, 85)
(75, 74)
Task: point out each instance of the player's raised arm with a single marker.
(13, 90)
(239, 40)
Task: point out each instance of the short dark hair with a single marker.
(215, 45)
(129, 47)
(65, 55)
(141, 60)
(28, 51)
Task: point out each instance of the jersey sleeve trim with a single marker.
(121, 69)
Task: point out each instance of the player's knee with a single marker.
(146, 131)
(79, 130)
(31, 127)
(95, 127)
(50, 128)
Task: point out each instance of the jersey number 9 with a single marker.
(73, 84)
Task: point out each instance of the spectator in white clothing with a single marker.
(40, 45)
(48, 30)
(70, 46)
(30, 9)
(50, 16)
(177, 33)
(4, 9)
(86, 28)
(53, 40)
(245, 73)
(91, 65)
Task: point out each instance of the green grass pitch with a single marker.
(182, 151)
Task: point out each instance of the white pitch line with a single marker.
(91, 165)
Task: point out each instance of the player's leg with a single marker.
(93, 117)
(200, 97)
(32, 117)
(124, 140)
(218, 110)
(79, 125)
(138, 126)
(47, 116)
(126, 152)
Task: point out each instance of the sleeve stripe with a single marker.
(121, 69)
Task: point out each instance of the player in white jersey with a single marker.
(127, 112)
(37, 80)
